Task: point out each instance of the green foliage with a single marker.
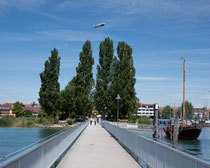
(17, 108)
(22, 123)
(42, 114)
(167, 112)
(50, 87)
(27, 113)
(45, 121)
(76, 97)
(123, 82)
(188, 110)
(68, 100)
(6, 121)
(104, 75)
(132, 119)
(114, 76)
(145, 120)
(69, 121)
(84, 82)
(32, 121)
(29, 123)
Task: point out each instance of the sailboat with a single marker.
(185, 131)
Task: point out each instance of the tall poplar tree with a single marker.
(104, 72)
(124, 81)
(84, 81)
(167, 112)
(114, 89)
(68, 100)
(188, 110)
(50, 87)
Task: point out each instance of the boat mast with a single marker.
(184, 94)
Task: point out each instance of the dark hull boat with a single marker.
(187, 132)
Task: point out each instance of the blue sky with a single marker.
(159, 31)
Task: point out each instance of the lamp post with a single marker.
(118, 98)
(104, 118)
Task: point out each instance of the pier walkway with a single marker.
(97, 148)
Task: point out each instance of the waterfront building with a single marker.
(146, 110)
(202, 112)
(6, 109)
(34, 108)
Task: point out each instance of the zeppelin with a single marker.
(99, 25)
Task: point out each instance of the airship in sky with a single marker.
(99, 25)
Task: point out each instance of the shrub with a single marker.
(6, 121)
(17, 108)
(145, 120)
(44, 121)
(42, 114)
(29, 123)
(27, 113)
(20, 122)
(69, 121)
(132, 119)
(23, 123)
(34, 119)
(54, 121)
(9, 121)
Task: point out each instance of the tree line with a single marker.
(115, 75)
(168, 111)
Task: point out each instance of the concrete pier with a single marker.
(96, 148)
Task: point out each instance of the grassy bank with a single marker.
(32, 121)
(142, 120)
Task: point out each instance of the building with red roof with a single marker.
(6, 110)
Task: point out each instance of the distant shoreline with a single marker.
(33, 121)
(39, 126)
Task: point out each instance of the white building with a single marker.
(146, 110)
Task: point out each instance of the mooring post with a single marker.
(176, 130)
(155, 121)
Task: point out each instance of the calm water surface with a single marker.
(199, 148)
(15, 138)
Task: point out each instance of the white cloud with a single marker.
(24, 5)
(72, 35)
(150, 78)
(205, 51)
(6, 36)
(61, 35)
(20, 3)
(179, 9)
(148, 8)
(32, 6)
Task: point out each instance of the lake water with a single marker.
(15, 138)
(199, 148)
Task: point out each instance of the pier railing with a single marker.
(153, 153)
(44, 155)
